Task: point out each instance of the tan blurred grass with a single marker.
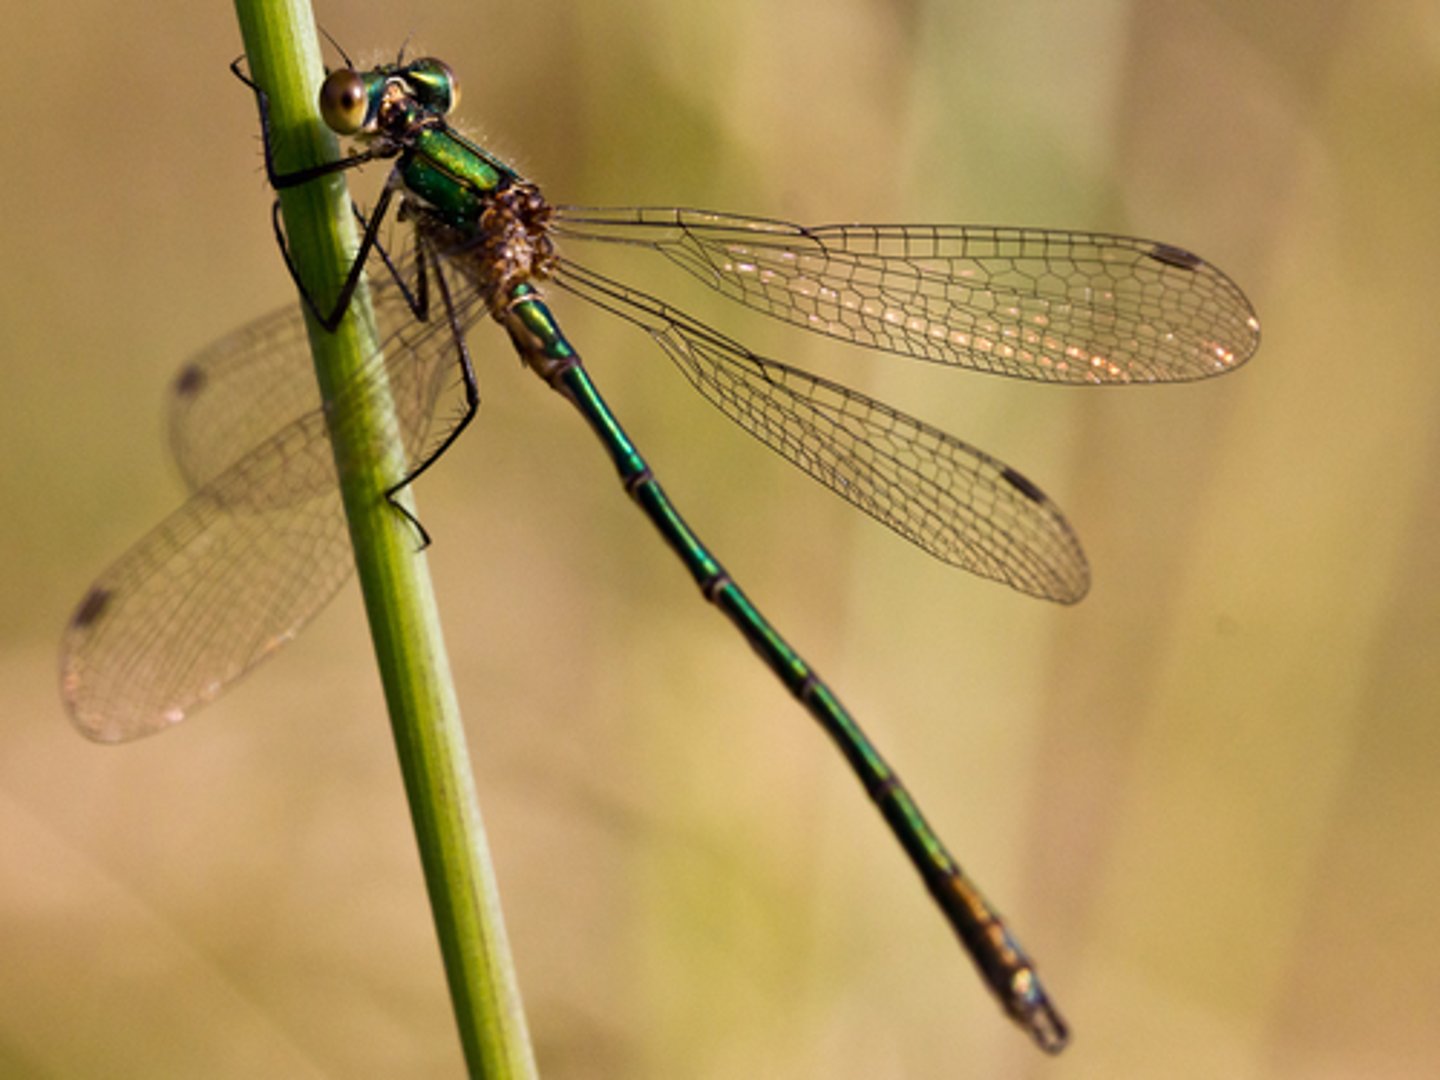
(1205, 796)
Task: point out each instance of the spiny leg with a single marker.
(468, 378)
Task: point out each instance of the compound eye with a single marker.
(434, 83)
(343, 101)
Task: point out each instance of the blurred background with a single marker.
(1206, 797)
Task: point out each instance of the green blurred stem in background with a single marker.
(283, 55)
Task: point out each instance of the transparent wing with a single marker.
(236, 393)
(262, 545)
(219, 585)
(1044, 304)
(954, 501)
(239, 391)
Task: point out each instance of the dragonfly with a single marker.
(261, 544)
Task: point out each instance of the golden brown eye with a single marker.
(343, 101)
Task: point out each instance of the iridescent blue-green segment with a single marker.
(262, 544)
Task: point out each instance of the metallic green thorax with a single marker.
(452, 174)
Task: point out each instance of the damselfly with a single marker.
(261, 545)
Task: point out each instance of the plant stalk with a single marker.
(283, 56)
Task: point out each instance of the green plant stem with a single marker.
(284, 58)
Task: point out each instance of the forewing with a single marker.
(262, 544)
(260, 379)
(219, 585)
(1046, 304)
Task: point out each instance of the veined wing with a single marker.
(262, 545)
(1045, 304)
(232, 396)
(214, 589)
(949, 498)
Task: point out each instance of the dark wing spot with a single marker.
(91, 608)
(1024, 486)
(190, 381)
(1176, 257)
